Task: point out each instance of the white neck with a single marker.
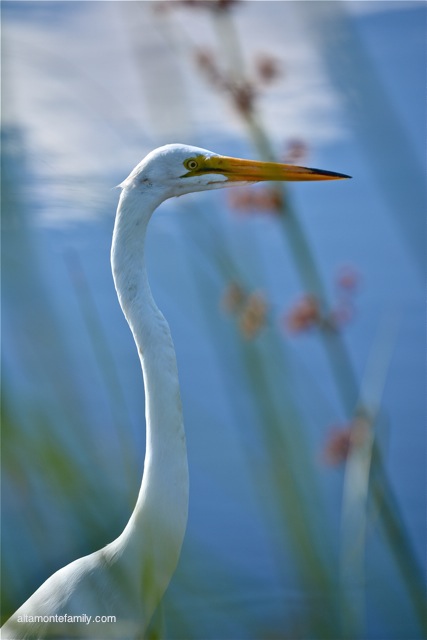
(153, 537)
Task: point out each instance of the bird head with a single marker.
(176, 169)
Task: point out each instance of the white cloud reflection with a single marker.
(95, 85)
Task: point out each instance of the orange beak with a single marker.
(237, 170)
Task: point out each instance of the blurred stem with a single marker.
(358, 469)
(353, 530)
(227, 36)
(105, 360)
(395, 532)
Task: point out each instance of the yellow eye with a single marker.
(191, 164)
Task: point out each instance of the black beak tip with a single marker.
(332, 174)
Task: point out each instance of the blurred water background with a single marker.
(298, 316)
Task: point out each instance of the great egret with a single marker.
(128, 577)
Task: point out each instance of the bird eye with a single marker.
(191, 164)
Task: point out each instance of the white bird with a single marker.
(128, 577)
